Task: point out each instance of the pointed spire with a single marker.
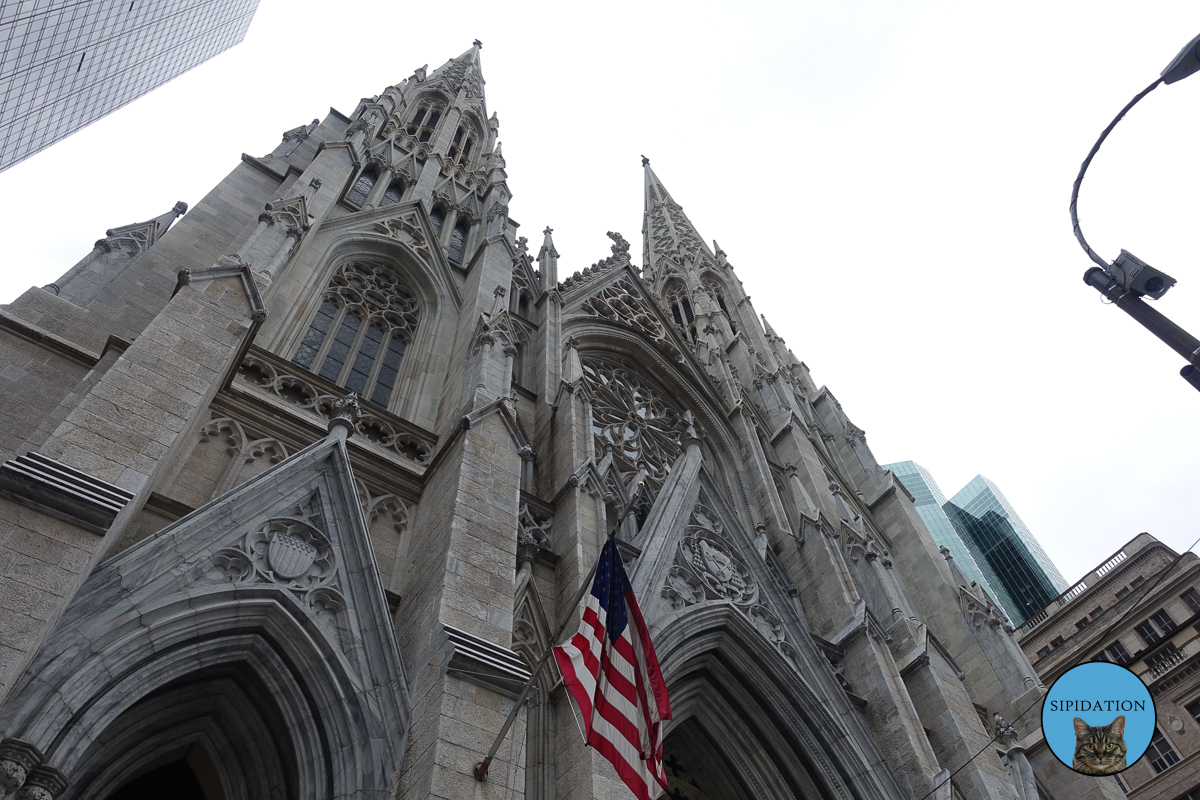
(460, 71)
(548, 261)
(771, 334)
(668, 231)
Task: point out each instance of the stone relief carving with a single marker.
(535, 526)
(708, 568)
(406, 230)
(290, 553)
(631, 423)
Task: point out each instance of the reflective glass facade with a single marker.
(1004, 547)
(929, 499)
(67, 63)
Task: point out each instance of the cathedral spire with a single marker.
(670, 242)
(465, 71)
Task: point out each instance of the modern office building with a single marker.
(66, 64)
(1004, 548)
(1138, 608)
(929, 499)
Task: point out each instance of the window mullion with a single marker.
(330, 335)
(352, 353)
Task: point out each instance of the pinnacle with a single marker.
(548, 248)
(767, 327)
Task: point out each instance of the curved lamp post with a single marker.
(1128, 279)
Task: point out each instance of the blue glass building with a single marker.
(1004, 548)
(929, 499)
(65, 64)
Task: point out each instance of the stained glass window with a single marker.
(458, 241)
(359, 334)
(392, 195)
(362, 187)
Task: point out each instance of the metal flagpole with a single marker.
(481, 768)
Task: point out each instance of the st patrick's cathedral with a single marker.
(298, 484)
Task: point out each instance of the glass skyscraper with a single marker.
(929, 499)
(1004, 547)
(66, 64)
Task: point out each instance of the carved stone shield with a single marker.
(290, 557)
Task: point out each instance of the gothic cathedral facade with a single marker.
(298, 485)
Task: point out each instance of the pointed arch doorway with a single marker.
(698, 768)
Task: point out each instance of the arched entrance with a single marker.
(697, 766)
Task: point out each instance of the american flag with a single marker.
(610, 668)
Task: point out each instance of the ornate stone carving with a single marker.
(713, 561)
(290, 553)
(44, 783)
(621, 304)
(346, 408)
(405, 230)
(535, 526)
(631, 422)
(378, 427)
(17, 760)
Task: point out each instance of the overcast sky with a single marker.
(889, 179)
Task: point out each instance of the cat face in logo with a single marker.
(1099, 750)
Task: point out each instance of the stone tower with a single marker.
(298, 486)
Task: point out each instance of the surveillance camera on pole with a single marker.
(1128, 279)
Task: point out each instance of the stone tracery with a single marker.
(366, 319)
(630, 421)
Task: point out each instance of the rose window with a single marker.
(629, 421)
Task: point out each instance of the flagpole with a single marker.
(481, 768)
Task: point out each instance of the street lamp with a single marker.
(1128, 279)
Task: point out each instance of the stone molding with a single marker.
(479, 661)
(62, 491)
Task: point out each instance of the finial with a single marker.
(645, 161)
(478, 44)
(345, 412)
(548, 230)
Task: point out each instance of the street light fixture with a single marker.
(1128, 279)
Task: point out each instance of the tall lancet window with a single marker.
(458, 243)
(362, 187)
(717, 292)
(424, 121)
(358, 336)
(681, 309)
(438, 218)
(392, 195)
(460, 148)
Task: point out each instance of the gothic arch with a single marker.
(73, 710)
(422, 271)
(778, 733)
(270, 593)
(594, 337)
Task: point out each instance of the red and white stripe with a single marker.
(621, 695)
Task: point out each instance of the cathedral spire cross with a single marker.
(645, 161)
(478, 44)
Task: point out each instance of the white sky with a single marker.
(890, 180)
